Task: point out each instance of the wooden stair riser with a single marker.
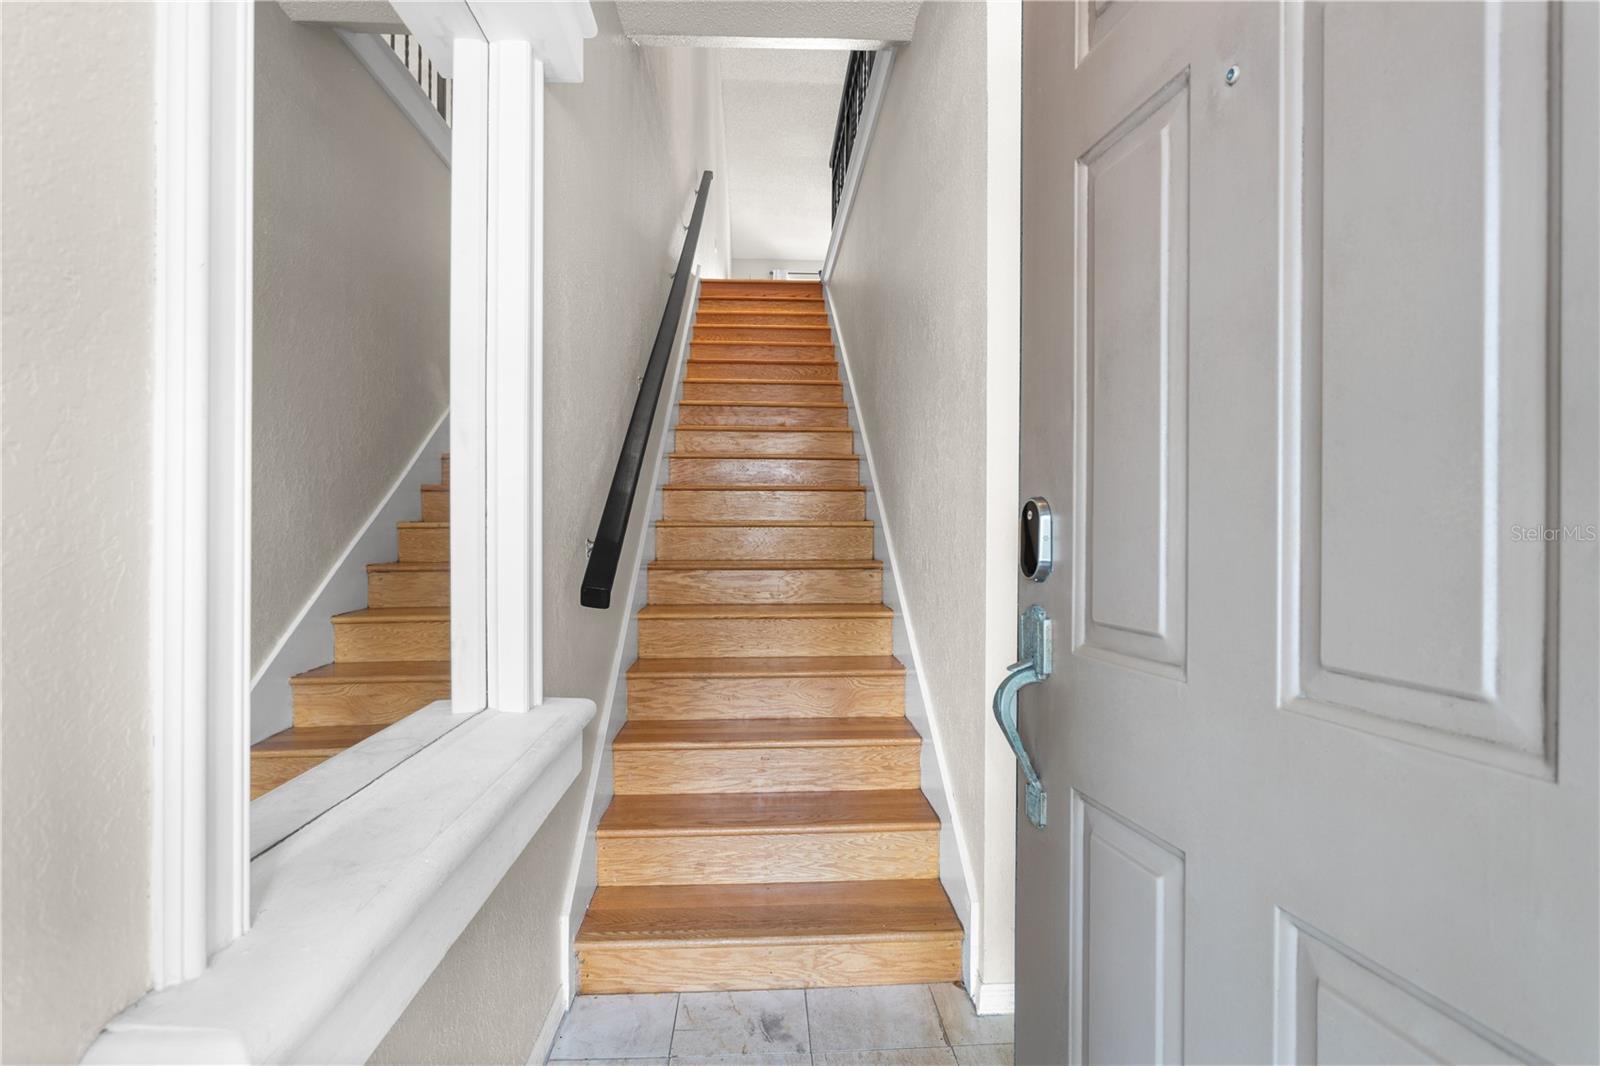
(435, 504)
(408, 588)
(691, 698)
(664, 967)
(780, 318)
(766, 442)
(753, 371)
(396, 641)
(709, 470)
(364, 702)
(800, 585)
(760, 289)
(679, 638)
(764, 334)
(776, 393)
(723, 305)
(268, 770)
(767, 858)
(829, 768)
(713, 351)
(736, 504)
(763, 542)
(429, 544)
(776, 416)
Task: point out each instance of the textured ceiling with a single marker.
(824, 23)
(779, 108)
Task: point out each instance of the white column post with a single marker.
(515, 375)
(469, 230)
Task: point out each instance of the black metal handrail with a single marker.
(857, 75)
(601, 573)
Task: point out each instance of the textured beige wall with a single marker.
(911, 288)
(623, 150)
(77, 219)
(352, 310)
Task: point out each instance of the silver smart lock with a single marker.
(1037, 549)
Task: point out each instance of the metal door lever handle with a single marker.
(1034, 645)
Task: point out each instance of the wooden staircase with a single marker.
(767, 828)
(388, 660)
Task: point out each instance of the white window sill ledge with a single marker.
(354, 911)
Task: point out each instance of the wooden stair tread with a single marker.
(349, 673)
(723, 486)
(690, 611)
(765, 523)
(718, 814)
(764, 429)
(422, 525)
(393, 614)
(767, 342)
(776, 457)
(786, 913)
(407, 567)
(438, 486)
(317, 740)
(766, 564)
(755, 666)
(763, 403)
(693, 733)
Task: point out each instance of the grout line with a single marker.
(944, 1032)
(672, 1037)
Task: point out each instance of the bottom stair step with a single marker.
(747, 838)
(683, 938)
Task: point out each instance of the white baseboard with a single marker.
(955, 866)
(597, 796)
(308, 643)
(995, 999)
(546, 1040)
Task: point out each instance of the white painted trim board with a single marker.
(200, 567)
(308, 642)
(955, 865)
(581, 879)
(399, 86)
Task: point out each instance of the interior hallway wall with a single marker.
(622, 151)
(926, 289)
(352, 312)
(77, 228)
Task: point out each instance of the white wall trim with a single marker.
(996, 999)
(358, 908)
(515, 377)
(469, 324)
(200, 580)
(581, 877)
(877, 87)
(1002, 459)
(308, 641)
(397, 83)
(958, 878)
(546, 1038)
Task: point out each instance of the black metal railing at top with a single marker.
(601, 572)
(857, 75)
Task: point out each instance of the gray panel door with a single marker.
(1309, 378)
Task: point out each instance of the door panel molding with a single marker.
(1126, 893)
(1409, 410)
(1130, 403)
(1334, 1005)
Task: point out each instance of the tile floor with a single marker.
(896, 1025)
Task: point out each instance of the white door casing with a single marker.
(1309, 369)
